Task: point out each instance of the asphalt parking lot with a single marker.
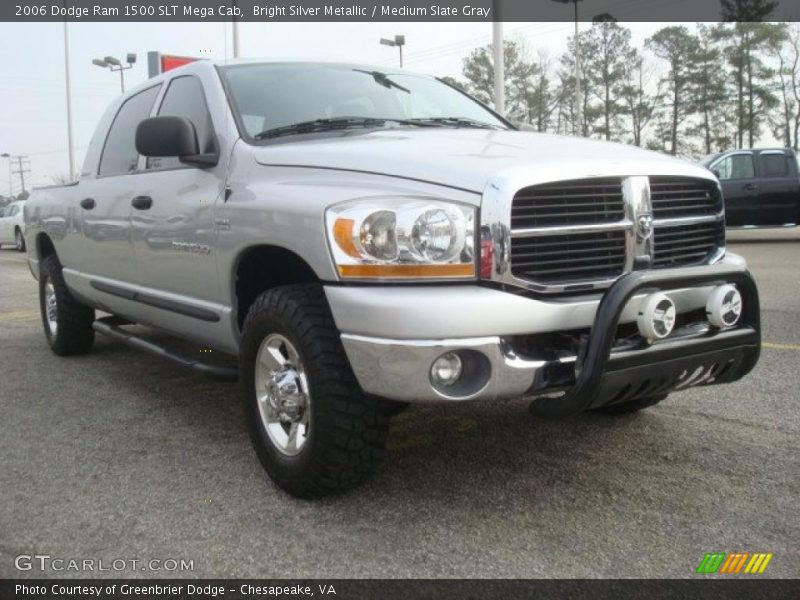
(121, 455)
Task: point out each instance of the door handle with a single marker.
(750, 186)
(88, 203)
(142, 202)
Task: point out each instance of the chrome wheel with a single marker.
(284, 402)
(51, 307)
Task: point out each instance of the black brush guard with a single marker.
(605, 378)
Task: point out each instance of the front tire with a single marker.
(312, 427)
(67, 323)
(19, 241)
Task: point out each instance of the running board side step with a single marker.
(110, 326)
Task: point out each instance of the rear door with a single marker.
(779, 188)
(105, 198)
(737, 175)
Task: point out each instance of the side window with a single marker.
(775, 165)
(185, 98)
(737, 166)
(119, 154)
(14, 210)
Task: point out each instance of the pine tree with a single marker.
(676, 45)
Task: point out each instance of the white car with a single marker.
(12, 226)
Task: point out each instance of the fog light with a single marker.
(446, 370)
(656, 317)
(724, 306)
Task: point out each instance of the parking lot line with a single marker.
(773, 346)
(19, 315)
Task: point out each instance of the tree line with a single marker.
(689, 90)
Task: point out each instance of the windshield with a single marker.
(268, 96)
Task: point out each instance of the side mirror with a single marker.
(171, 136)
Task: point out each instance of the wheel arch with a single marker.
(262, 267)
(44, 247)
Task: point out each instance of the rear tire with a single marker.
(294, 375)
(67, 323)
(624, 408)
(19, 240)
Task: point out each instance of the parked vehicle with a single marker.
(761, 186)
(12, 226)
(363, 238)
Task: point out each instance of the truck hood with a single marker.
(469, 158)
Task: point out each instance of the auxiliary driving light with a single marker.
(724, 306)
(446, 370)
(656, 317)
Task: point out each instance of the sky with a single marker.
(32, 88)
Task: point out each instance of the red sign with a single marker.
(169, 62)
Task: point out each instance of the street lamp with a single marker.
(114, 64)
(10, 183)
(578, 102)
(399, 41)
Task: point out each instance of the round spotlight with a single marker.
(656, 317)
(724, 306)
(446, 370)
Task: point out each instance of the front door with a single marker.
(173, 229)
(740, 187)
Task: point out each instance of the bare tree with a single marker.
(640, 104)
(786, 125)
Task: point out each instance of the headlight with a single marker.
(401, 238)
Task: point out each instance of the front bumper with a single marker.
(600, 373)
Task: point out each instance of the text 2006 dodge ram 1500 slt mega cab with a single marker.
(364, 238)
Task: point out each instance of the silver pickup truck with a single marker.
(363, 238)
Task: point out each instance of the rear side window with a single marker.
(736, 166)
(775, 165)
(185, 98)
(119, 153)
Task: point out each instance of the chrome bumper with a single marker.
(392, 365)
(400, 369)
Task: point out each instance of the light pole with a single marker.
(70, 144)
(10, 183)
(399, 41)
(578, 103)
(499, 68)
(114, 64)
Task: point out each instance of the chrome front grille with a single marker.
(568, 203)
(564, 258)
(583, 234)
(682, 197)
(686, 245)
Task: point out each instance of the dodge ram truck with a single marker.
(361, 238)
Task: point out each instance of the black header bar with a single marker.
(698, 588)
(261, 11)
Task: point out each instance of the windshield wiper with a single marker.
(320, 125)
(454, 122)
(335, 123)
(383, 79)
